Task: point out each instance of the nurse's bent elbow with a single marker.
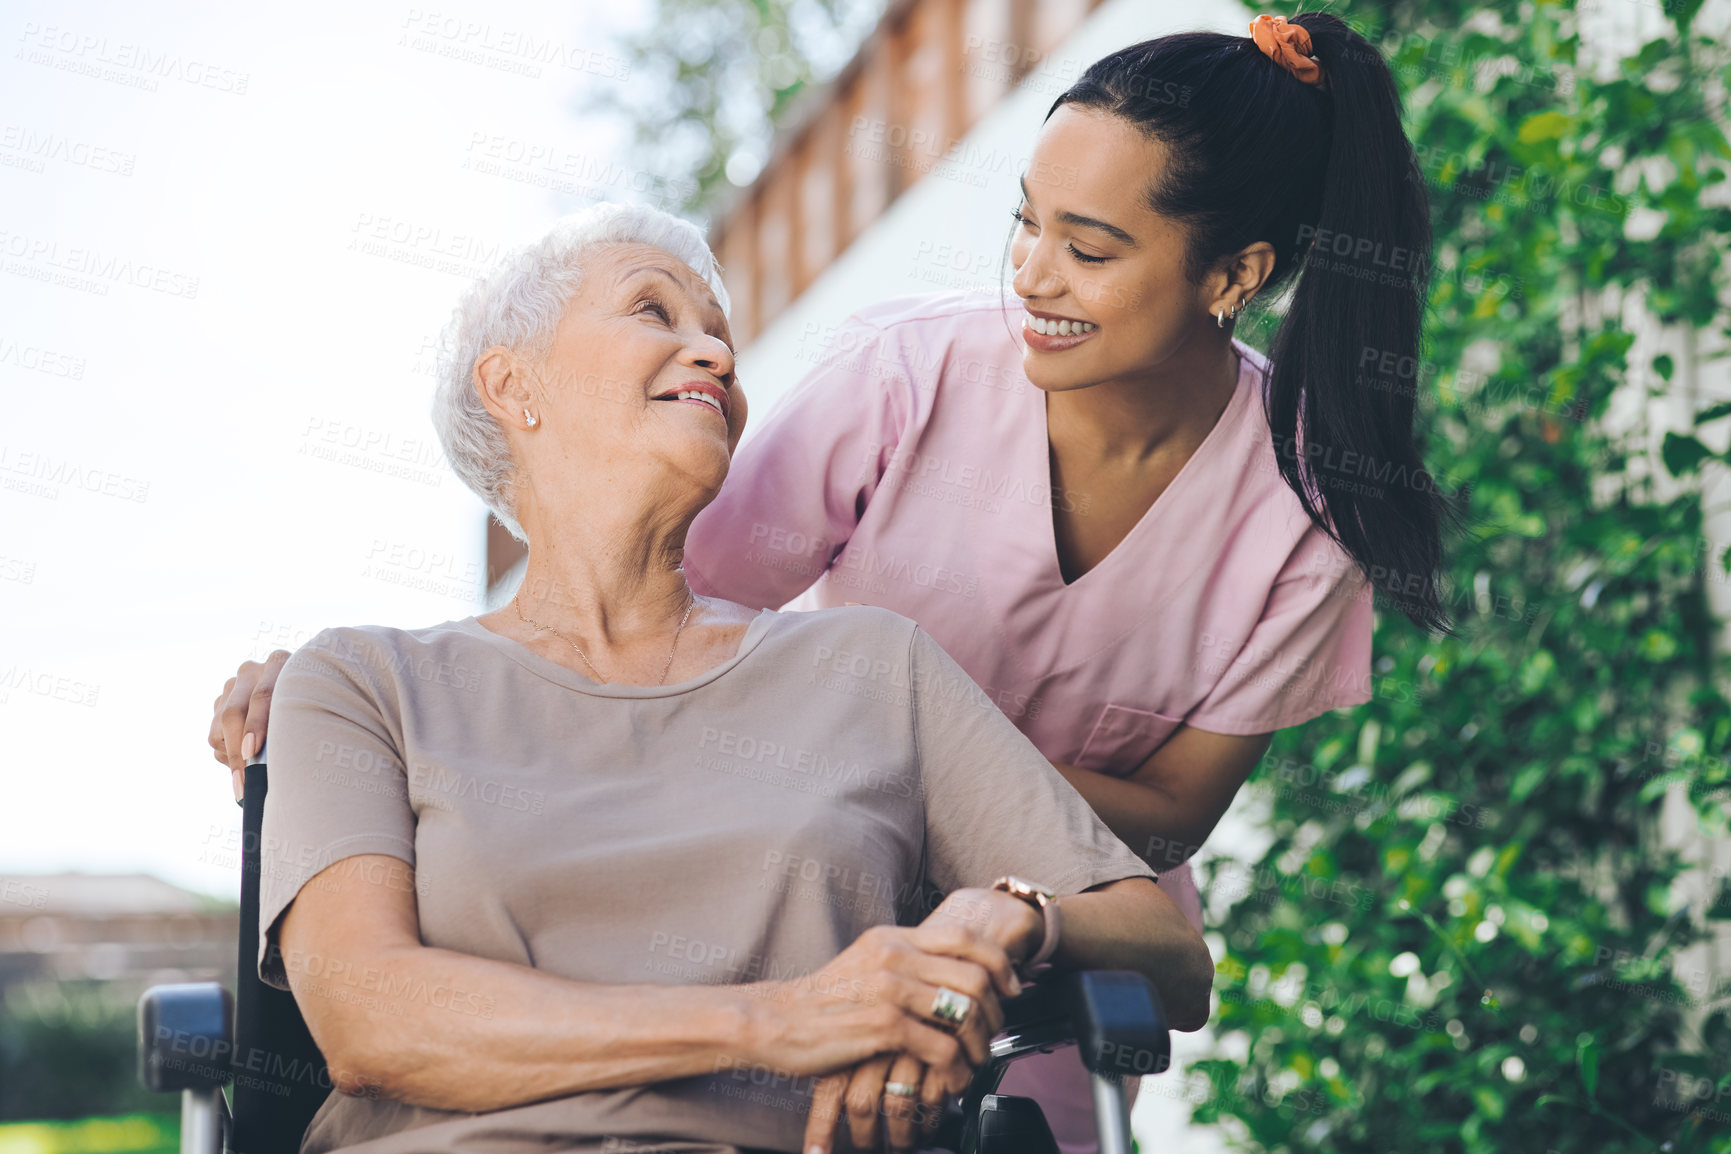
(1189, 986)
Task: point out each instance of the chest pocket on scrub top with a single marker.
(1123, 738)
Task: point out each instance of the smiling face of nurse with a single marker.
(1177, 179)
(1102, 276)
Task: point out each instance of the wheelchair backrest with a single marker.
(280, 1078)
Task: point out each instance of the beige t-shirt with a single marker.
(838, 772)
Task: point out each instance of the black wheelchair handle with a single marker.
(1115, 1017)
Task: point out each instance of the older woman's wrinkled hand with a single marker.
(879, 996)
(1010, 929)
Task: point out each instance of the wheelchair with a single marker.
(196, 1038)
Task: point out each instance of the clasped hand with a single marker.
(969, 945)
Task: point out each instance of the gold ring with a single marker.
(951, 1008)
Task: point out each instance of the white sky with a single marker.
(162, 513)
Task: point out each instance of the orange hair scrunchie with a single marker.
(1288, 45)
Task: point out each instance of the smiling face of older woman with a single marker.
(635, 397)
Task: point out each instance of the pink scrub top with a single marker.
(910, 469)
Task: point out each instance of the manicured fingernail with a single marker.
(1015, 986)
(814, 1149)
(239, 783)
(247, 743)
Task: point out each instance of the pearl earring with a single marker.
(530, 419)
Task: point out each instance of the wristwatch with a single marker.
(1046, 902)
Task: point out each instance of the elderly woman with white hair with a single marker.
(619, 862)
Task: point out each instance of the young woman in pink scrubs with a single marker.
(1146, 542)
(1149, 543)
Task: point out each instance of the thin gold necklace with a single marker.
(689, 605)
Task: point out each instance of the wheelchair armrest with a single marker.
(1114, 1017)
(1120, 1024)
(185, 1037)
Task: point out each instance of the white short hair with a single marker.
(518, 305)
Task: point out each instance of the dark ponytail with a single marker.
(1328, 177)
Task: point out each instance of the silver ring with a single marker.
(951, 1008)
(902, 1089)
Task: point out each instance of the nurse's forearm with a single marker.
(1156, 826)
(1165, 808)
(1132, 925)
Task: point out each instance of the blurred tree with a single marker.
(711, 78)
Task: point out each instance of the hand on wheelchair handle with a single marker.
(241, 714)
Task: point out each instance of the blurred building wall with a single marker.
(894, 116)
(123, 930)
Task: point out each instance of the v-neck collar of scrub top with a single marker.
(1036, 584)
(1227, 414)
(571, 679)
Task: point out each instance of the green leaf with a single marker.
(1527, 779)
(1537, 671)
(1543, 126)
(1658, 646)
(1709, 137)
(1683, 454)
(1588, 1057)
(1713, 413)
(1664, 366)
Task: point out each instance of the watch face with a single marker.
(1027, 889)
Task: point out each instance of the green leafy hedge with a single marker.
(70, 1050)
(1465, 934)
